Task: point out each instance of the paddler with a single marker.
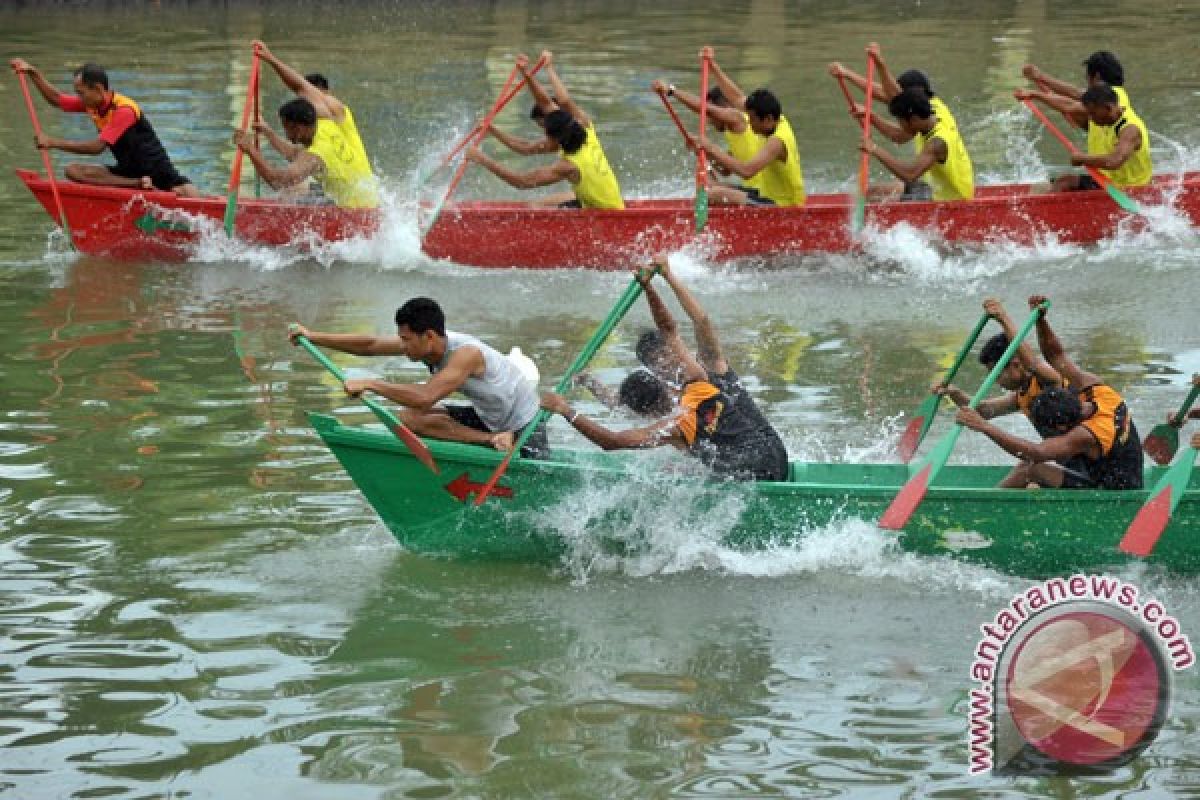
(142, 161)
(322, 142)
(942, 157)
(1118, 142)
(714, 420)
(569, 131)
(1089, 431)
(741, 142)
(774, 169)
(503, 400)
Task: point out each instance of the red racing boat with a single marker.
(494, 234)
(136, 224)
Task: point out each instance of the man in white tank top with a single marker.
(503, 402)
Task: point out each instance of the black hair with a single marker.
(299, 111)
(318, 80)
(1054, 408)
(910, 103)
(421, 314)
(1099, 95)
(564, 129)
(762, 103)
(992, 350)
(93, 74)
(644, 393)
(649, 345)
(915, 79)
(537, 112)
(1104, 65)
(717, 97)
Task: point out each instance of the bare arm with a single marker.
(605, 394)
(1051, 84)
(540, 98)
(352, 343)
(1127, 144)
(838, 70)
(526, 147)
(888, 83)
(281, 145)
(562, 96)
(304, 165)
(658, 434)
(1073, 110)
(92, 147)
(1048, 377)
(665, 322)
(909, 171)
(326, 105)
(561, 170)
(707, 343)
(1057, 448)
(890, 129)
(47, 90)
(772, 150)
(1056, 354)
(728, 88)
(462, 364)
(730, 117)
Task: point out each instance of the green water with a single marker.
(195, 601)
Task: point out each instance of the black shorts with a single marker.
(755, 198)
(916, 190)
(537, 446)
(570, 204)
(1080, 473)
(163, 177)
(1086, 182)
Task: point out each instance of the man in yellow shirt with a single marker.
(569, 131)
(1118, 142)
(347, 178)
(941, 156)
(775, 167)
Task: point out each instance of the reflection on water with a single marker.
(195, 600)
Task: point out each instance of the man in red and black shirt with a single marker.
(142, 163)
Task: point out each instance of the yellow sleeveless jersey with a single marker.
(347, 177)
(1102, 140)
(597, 187)
(942, 112)
(783, 181)
(349, 129)
(744, 146)
(955, 179)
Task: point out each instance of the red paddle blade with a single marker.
(911, 439)
(492, 481)
(906, 502)
(1160, 448)
(1148, 525)
(418, 448)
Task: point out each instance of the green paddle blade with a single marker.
(859, 219)
(1123, 200)
(701, 208)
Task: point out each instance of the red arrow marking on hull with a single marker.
(462, 487)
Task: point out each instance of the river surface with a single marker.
(196, 602)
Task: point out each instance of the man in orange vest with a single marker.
(142, 162)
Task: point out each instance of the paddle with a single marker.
(864, 165)
(235, 174)
(257, 137)
(1143, 533)
(701, 208)
(478, 133)
(920, 424)
(1163, 441)
(841, 79)
(37, 129)
(410, 439)
(1119, 197)
(913, 492)
(687, 137)
(598, 338)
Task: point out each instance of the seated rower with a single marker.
(142, 161)
(503, 400)
(1118, 142)
(714, 420)
(941, 155)
(314, 88)
(1089, 431)
(1024, 377)
(569, 131)
(323, 154)
(741, 141)
(774, 169)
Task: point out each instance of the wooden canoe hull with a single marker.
(131, 224)
(489, 234)
(596, 495)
